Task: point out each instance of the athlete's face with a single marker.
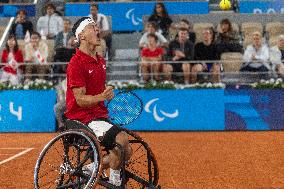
(91, 34)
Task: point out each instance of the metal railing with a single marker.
(130, 70)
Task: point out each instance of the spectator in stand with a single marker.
(180, 49)
(277, 55)
(161, 18)
(36, 51)
(206, 50)
(50, 24)
(63, 47)
(21, 25)
(151, 57)
(13, 57)
(103, 23)
(256, 55)
(62, 38)
(227, 38)
(152, 28)
(184, 23)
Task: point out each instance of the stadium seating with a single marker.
(235, 27)
(273, 29)
(232, 62)
(2, 29)
(198, 29)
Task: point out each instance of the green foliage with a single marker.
(132, 85)
(38, 84)
(269, 84)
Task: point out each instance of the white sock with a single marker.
(88, 168)
(114, 177)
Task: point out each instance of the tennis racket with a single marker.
(124, 108)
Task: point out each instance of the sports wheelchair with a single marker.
(60, 164)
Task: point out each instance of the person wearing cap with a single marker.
(277, 55)
(86, 93)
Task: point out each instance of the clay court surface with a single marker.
(198, 160)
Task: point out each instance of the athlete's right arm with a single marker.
(84, 100)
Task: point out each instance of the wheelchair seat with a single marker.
(74, 124)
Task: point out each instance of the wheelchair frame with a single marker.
(77, 136)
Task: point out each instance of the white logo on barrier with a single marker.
(131, 16)
(157, 117)
(18, 113)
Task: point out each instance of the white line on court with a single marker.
(15, 156)
(12, 148)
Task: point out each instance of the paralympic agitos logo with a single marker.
(158, 114)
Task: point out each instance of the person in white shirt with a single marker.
(50, 24)
(256, 56)
(152, 28)
(277, 56)
(102, 21)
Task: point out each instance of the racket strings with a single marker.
(124, 108)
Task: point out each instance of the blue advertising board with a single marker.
(254, 109)
(27, 111)
(264, 6)
(128, 16)
(210, 109)
(181, 110)
(163, 110)
(11, 10)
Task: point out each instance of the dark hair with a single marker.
(36, 33)
(164, 12)
(21, 10)
(95, 5)
(153, 35)
(182, 29)
(16, 45)
(50, 5)
(211, 29)
(227, 21)
(67, 20)
(185, 21)
(153, 24)
(77, 23)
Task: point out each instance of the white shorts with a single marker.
(100, 127)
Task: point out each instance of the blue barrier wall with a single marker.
(128, 16)
(11, 10)
(27, 111)
(258, 6)
(211, 109)
(164, 110)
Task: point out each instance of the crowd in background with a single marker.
(161, 40)
(165, 40)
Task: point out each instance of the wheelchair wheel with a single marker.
(142, 168)
(61, 162)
